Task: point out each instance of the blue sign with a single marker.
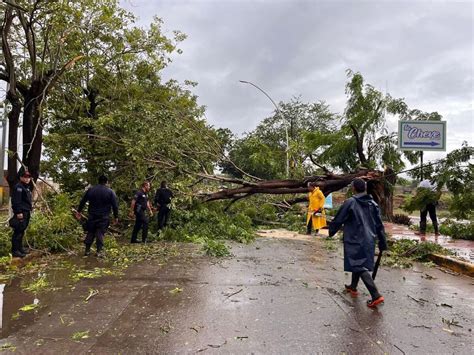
(422, 135)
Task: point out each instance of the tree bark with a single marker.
(377, 186)
(33, 127)
(13, 122)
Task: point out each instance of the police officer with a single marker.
(138, 208)
(101, 200)
(21, 206)
(163, 203)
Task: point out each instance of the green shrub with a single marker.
(457, 230)
(209, 221)
(402, 219)
(215, 248)
(55, 231)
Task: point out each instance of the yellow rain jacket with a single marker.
(316, 202)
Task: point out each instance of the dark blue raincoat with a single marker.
(360, 216)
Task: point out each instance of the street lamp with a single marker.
(287, 165)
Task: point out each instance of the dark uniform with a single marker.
(141, 219)
(163, 202)
(21, 203)
(101, 200)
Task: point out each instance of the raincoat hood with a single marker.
(364, 200)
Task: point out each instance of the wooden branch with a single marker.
(327, 183)
(326, 170)
(14, 5)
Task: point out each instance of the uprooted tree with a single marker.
(356, 144)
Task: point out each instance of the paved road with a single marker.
(279, 295)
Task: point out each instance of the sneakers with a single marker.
(135, 242)
(374, 303)
(351, 290)
(420, 233)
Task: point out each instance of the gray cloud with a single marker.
(419, 50)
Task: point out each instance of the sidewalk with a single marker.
(463, 249)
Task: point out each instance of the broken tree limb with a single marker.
(327, 183)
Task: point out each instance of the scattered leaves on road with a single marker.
(80, 335)
(176, 290)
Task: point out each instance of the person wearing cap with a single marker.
(316, 216)
(101, 200)
(21, 206)
(360, 216)
(140, 204)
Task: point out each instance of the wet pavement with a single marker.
(280, 294)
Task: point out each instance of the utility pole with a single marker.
(287, 165)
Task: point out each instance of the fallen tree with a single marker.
(379, 185)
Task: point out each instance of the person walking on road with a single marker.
(101, 200)
(360, 216)
(21, 206)
(163, 204)
(138, 208)
(316, 216)
(430, 200)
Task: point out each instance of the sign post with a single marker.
(421, 136)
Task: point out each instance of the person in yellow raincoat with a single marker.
(316, 217)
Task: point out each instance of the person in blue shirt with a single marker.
(21, 206)
(140, 204)
(101, 200)
(360, 216)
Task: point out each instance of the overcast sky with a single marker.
(419, 50)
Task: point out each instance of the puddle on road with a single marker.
(24, 298)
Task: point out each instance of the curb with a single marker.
(456, 265)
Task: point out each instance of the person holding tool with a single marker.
(360, 216)
(101, 200)
(316, 216)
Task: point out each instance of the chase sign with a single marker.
(422, 135)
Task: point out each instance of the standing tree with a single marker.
(262, 152)
(36, 40)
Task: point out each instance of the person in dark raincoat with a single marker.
(360, 216)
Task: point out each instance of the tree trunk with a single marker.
(382, 191)
(327, 183)
(13, 122)
(33, 128)
(379, 184)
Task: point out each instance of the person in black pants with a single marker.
(429, 208)
(21, 206)
(360, 216)
(163, 203)
(138, 208)
(101, 200)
